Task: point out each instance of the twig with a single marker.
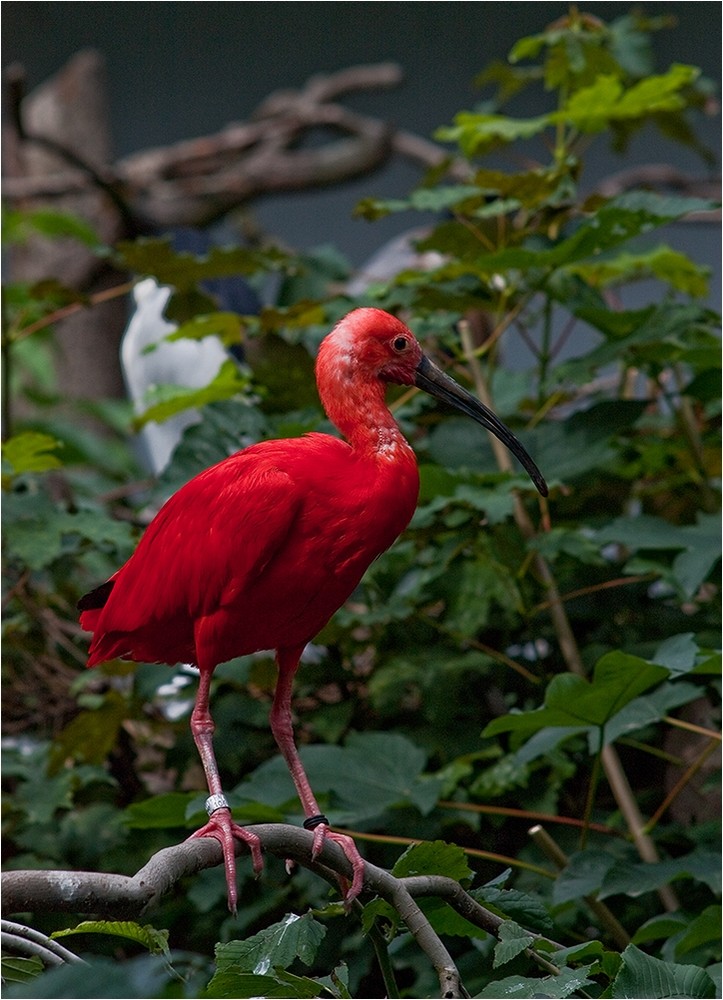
(714, 744)
(526, 814)
(614, 772)
(27, 941)
(555, 853)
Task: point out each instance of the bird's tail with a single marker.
(91, 604)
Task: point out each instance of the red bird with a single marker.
(260, 550)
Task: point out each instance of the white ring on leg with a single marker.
(216, 802)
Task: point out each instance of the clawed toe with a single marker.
(350, 892)
(223, 829)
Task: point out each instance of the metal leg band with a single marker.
(216, 802)
(311, 822)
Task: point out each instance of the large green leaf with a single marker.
(224, 325)
(433, 858)
(373, 772)
(227, 382)
(99, 979)
(20, 970)
(155, 941)
(564, 984)
(42, 531)
(573, 701)
(582, 876)
(276, 946)
(158, 812)
(31, 451)
(157, 258)
(662, 262)
(633, 879)
(280, 984)
(700, 542)
(642, 975)
(528, 910)
(593, 108)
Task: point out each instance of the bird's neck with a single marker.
(360, 412)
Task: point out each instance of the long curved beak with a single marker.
(433, 380)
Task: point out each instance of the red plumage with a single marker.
(256, 552)
(260, 550)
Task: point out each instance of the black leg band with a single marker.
(311, 822)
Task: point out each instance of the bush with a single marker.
(522, 694)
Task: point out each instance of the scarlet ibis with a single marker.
(260, 550)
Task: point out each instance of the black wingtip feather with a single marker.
(96, 598)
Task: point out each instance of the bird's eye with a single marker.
(400, 344)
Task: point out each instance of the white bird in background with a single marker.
(188, 363)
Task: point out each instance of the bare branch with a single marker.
(26, 941)
(124, 897)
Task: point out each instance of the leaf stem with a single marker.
(617, 779)
(379, 944)
(105, 295)
(526, 814)
(691, 727)
(388, 838)
(713, 744)
(558, 857)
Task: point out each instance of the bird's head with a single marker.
(372, 345)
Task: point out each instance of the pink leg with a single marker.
(282, 728)
(220, 825)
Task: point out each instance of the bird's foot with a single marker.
(222, 828)
(320, 825)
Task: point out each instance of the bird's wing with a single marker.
(212, 537)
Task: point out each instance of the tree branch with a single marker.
(126, 897)
(194, 181)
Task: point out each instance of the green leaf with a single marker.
(572, 701)
(434, 858)
(18, 227)
(670, 266)
(701, 543)
(593, 108)
(99, 979)
(280, 985)
(229, 381)
(91, 735)
(642, 975)
(20, 970)
(155, 941)
(476, 132)
(702, 930)
(31, 451)
(224, 325)
(513, 940)
(650, 708)
(372, 773)
(634, 879)
(677, 653)
(156, 258)
(582, 876)
(159, 812)
(528, 910)
(568, 982)
(42, 532)
(667, 926)
(276, 946)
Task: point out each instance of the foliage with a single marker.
(490, 663)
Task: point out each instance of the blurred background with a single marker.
(181, 70)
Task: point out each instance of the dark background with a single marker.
(179, 70)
